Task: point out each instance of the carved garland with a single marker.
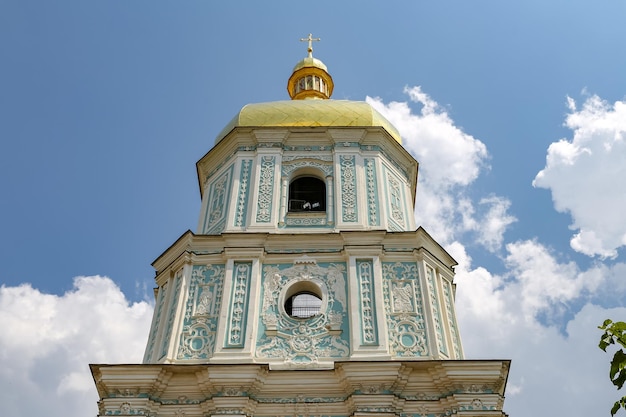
(348, 188)
(237, 320)
(289, 167)
(395, 200)
(242, 198)
(266, 189)
(434, 305)
(368, 329)
(447, 293)
(372, 192)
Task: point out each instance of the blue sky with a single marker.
(105, 106)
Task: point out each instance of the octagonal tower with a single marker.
(306, 258)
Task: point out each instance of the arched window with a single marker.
(303, 305)
(307, 194)
(303, 299)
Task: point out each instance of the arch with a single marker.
(303, 299)
(307, 192)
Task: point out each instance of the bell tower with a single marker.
(307, 289)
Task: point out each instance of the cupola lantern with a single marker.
(310, 78)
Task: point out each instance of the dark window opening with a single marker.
(303, 305)
(307, 194)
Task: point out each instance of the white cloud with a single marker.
(454, 157)
(538, 311)
(586, 176)
(564, 371)
(47, 342)
(542, 281)
(450, 160)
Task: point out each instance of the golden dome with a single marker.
(310, 87)
(310, 62)
(310, 113)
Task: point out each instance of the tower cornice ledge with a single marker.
(209, 248)
(470, 387)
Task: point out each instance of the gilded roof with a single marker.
(310, 62)
(310, 113)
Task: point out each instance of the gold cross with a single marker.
(310, 39)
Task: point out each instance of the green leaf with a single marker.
(618, 369)
(605, 341)
(605, 324)
(618, 404)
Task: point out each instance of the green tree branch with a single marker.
(615, 334)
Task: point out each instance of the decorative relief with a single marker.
(217, 206)
(197, 340)
(231, 391)
(229, 411)
(447, 296)
(368, 410)
(393, 227)
(301, 341)
(310, 220)
(126, 409)
(372, 192)
(395, 200)
(301, 399)
(403, 307)
(296, 162)
(392, 161)
(365, 278)
(171, 314)
(373, 389)
(242, 196)
(348, 188)
(434, 305)
(266, 189)
(127, 392)
(270, 145)
(321, 157)
(155, 323)
(237, 315)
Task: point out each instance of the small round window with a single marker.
(303, 300)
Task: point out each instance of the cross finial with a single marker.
(310, 39)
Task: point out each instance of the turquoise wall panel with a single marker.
(404, 309)
(371, 181)
(202, 310)
(243, 193)
(367, 302)
(266, 189)
(171, 314)
(217, 205)
(238, 311)
(436, 309)
(303, 340)
(349, 207)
